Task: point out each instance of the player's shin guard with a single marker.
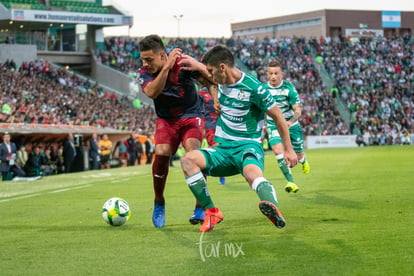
(198, 187)
(264, 190)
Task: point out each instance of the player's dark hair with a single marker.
(275, 63)
(151, 43)
(218, 54)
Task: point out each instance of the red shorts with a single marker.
(176, 131)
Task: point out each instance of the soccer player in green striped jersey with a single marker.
(287, 99)
(242, 102)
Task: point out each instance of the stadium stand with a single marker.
(35, 91)
(371, 79)
(375, 81)
(321, 114)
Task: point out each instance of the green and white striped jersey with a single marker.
(285, 96)
(243, 105)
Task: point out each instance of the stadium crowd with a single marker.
(373, 77)
(36, 93)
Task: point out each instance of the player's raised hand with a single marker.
(175, 54)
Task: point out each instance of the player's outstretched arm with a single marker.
(191, 64)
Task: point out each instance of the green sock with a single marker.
(284, 168)
(265, 190)
(198, 187)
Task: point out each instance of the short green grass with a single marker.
(353, 215)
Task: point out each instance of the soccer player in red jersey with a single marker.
(211, 120)
(179, 110)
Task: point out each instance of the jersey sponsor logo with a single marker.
(237, 104)
(233, 118)
(279, 92)
(242, 95)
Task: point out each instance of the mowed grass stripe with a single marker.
(353, 215)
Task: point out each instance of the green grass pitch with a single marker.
(353, 215)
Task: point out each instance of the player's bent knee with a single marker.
(190, 162)
(187, 163)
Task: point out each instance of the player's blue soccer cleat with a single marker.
(272, 213)
(198, 216)
(158, 216)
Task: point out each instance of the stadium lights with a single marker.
(178, 18)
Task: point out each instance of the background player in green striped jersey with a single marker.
(242, 102)
(287, 99)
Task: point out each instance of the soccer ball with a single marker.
(116, 211)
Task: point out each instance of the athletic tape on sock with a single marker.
(193, 178)
(280, 156)
(257, 181)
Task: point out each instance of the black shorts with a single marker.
(104, 159)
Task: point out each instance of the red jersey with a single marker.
(209, 112)
(179, 98)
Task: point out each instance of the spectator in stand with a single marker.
(48, 168)
(359, 139)
(55, 161)
(139, 151)
(69, 153)
(123, 153)
(105, 147)
(35, 163)
(149, 148)
(132, 150)
(94, 151)
(22, 156)
(406, 138)
(8, 155)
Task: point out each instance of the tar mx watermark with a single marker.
(218, 249)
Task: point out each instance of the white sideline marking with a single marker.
(19, 197)
(38, 194)
(119, 180)
(97, 175)
(68, 189)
